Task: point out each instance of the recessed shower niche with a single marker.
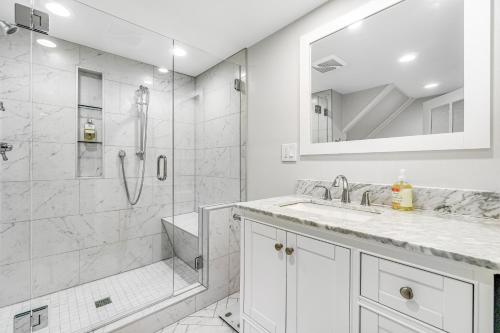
(90, 126)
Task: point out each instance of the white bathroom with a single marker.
(262, 166)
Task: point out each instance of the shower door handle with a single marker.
(161, 168)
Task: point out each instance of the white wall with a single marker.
(409, 122)
(274, 114)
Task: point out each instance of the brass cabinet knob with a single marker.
(406, 292)
(278, 246)
(289, 251)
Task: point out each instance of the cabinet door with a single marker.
(264, 286)
(317, 286)
(249, 328)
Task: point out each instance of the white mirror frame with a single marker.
(477, 88)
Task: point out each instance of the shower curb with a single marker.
(156, 316)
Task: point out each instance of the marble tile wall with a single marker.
(218, 142)
(16, 127)
(223, 252)
(84, 229)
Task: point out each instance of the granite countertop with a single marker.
(471, 240)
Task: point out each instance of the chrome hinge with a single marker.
(32, 19)
(237, 84)
(198, 262)
(31, 321)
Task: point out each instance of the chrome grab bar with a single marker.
(161, 171)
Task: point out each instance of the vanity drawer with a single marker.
(371, 322)
(434, 299)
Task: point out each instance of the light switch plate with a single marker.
(289, 152)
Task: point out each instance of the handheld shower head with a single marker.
(7, 28)
(142, 104)
(142, 95)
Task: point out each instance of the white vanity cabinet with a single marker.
(295, 283)
(292, 283)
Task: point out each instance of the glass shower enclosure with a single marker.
(112, 136)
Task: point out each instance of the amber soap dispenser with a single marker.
(402, 193)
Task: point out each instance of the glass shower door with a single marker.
(15, 187)
(207, 152)
(102, 112)
(74, 102)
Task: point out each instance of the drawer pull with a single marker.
(289, 251)
(406, 292)
(278, 246)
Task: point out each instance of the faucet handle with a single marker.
(4, 146)
(328, 193)
(365, 199)
(338, 179)
(336, 182)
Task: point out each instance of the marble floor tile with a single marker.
(205, 320)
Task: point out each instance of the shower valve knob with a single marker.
(5, 147)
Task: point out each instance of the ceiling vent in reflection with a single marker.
(328, 64)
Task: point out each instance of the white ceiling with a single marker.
(219, 27)
(431, 28)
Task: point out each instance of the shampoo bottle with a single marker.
(89, 132)
(402, 193)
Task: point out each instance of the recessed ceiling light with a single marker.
(431, 85)
(355, 26)
(179, 52)
(409, 57)
(162, 70)
(46, 43)
(57, 9)
(436, 4)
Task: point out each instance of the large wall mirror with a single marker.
(398, 76)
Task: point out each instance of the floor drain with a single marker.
(103, 302)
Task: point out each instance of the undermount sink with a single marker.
(344, 213)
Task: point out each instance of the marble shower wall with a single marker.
(15, 128)
(218, 144)
(224, 252)
(83, 229)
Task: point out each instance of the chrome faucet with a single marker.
(346, 197)
(5, 147)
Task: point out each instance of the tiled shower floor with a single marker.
(73, 309)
